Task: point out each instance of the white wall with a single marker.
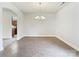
(7, 23)
(67, 24)
(39, 27)
(19, 15)
(19, 20)
(1, 41)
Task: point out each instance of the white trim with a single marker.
(39, 35)
(20, 37)
(60, 38)
(68, 43)
(1, 49)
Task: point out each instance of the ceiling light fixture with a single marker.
(40, 17)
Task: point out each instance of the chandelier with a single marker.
(40, 17)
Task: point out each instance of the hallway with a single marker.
(39, 47)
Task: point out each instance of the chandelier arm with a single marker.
(40, 17)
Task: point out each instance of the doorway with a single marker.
(9, 27)
(14, 27)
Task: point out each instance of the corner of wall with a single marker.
(68, 43)
(20, 37)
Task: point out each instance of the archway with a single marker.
(9, 26)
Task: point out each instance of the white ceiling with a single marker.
(30, 7)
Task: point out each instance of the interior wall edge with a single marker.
(68, 43)
(35, 36)
(39, 35)
(20, 37)
(57, 36)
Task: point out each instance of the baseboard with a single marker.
(60, 38)
(39, 35)
(68, 43)
(7, 37)
(1, 49)
(18, 38)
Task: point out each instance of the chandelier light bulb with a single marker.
(42, 17)
(39, 17)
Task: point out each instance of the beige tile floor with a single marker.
(39, 47)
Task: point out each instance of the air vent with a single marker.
(63, 2)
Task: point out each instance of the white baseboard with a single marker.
(60, 38)
(39, 35)
(18, 38)
(68, 43)
(1, 49)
